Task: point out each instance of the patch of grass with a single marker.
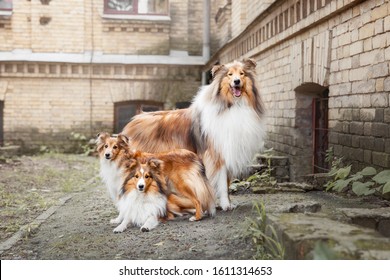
(264, 236)
(31, 184)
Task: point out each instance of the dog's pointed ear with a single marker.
(216, 69)
(155, 164)
(123, 138)
(131, 164)
(101, 137)
(249, 63)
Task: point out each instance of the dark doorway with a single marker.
(124, 111)
(312, 124)
(320, 132)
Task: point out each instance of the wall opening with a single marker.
(320, 132)
(124, 111)
(312, 125)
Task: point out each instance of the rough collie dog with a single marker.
(223, 126)
(188, 186)
(142, 201)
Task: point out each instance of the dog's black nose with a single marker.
(141, 187)
(237, 82)
(107, 155)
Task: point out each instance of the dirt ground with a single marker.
(80, 228)
(29, 185)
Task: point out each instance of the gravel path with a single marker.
(80, 229)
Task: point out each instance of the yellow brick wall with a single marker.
(75, 26)
(45, 100)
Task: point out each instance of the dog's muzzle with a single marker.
(141, 187)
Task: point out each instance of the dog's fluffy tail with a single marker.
(202, 190)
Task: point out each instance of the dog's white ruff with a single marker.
(236, 134)
(141, 209)
(111, 176)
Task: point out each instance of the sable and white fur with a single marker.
(111, 171)
(223, 126)
(189, 189)
(142, 201)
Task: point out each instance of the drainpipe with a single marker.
(206, 36)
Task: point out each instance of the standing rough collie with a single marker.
(188, 186)
(142, 201)
(223, 126)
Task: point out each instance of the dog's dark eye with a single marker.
(242, 73)
(115, 147)
(147, 176)
(136, 176)
(230, 74)
(105, 146)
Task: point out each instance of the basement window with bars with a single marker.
(136, 7)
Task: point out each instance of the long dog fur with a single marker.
(223, 125)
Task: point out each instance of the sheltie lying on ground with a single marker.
(223, 126)
(142, 201)
(186, 186)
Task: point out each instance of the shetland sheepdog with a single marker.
(187, 187)
(142, 201)
(223, 125)
(111, 171)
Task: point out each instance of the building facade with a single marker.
(85, 66)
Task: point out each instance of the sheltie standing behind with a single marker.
(111, 163)
(224, 126)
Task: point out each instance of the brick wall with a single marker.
(359, 84)
(238, 17)
(51, 85)
(77, 26)
(43, 107)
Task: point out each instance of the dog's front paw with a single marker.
(144, 229)
(119, 229)
(227, 206)
(192, 219)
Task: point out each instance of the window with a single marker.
(136, 7)
(124, 111)
(5, 5)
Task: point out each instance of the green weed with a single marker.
(364, 182)
(264, 237)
